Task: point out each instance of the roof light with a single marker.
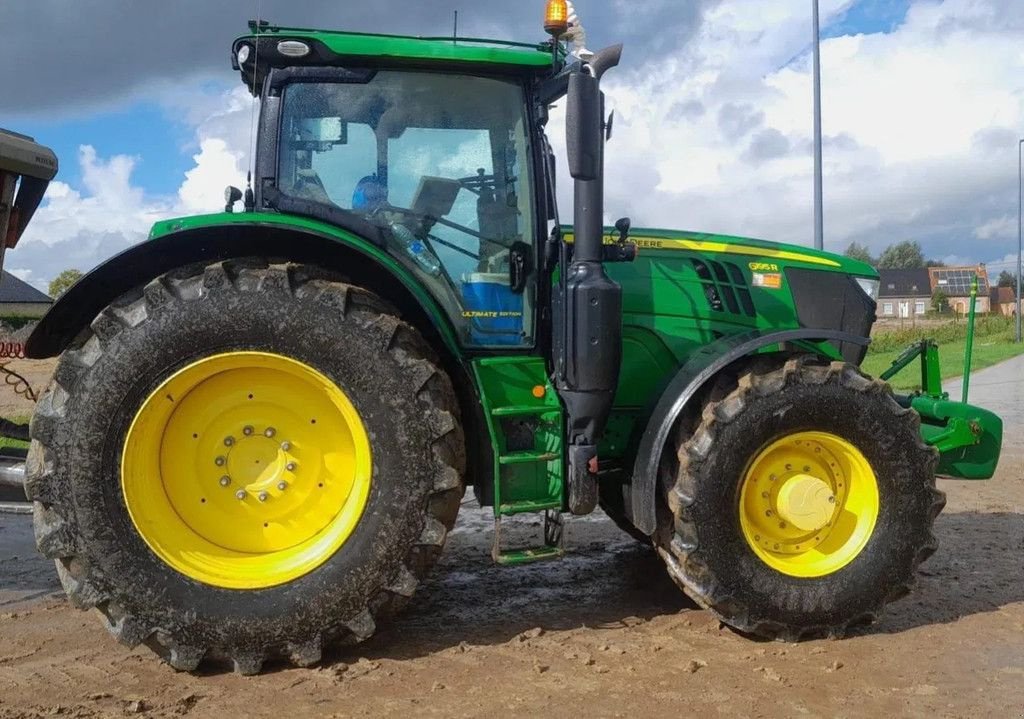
(556, 18)
(243, 54)
(293, 48)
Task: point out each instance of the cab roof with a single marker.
(335, 47)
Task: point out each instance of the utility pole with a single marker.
(819, 219)
(1020, 228)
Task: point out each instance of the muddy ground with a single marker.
(603, 632)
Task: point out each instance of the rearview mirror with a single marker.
(323, 130)
(583, 127)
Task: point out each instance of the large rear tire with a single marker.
(316, 515)
(803, 503)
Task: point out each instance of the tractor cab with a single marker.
(442, 170)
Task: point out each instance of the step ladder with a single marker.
(526, 479)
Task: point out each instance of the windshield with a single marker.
(441, 164)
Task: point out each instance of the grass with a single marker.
(993, 343)
(14, 443)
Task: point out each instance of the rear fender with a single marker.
(701, 368)
(221, 237)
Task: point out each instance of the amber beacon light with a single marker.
(556, 18)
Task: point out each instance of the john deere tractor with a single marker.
(263, 421)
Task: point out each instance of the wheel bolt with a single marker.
(240, 494)
(831, 500)
(807, 469)
(286, 446)
(247, 431)
(225, 481)
(290, 466)
(219, 461)
(282, 486)
(263, 496)
(768, 513)
(270, 432)
(228, 441)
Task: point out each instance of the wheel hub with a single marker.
(806, 502)
(256, 463)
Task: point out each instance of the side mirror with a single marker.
(584, 136)
(622, 227)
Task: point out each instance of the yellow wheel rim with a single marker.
(246, 470)
(808, 504)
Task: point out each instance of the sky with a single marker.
(923, 103)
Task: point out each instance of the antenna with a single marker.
(455, 30)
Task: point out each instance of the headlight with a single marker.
(870, 287)
(243, 54)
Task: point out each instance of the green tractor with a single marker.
(263, 422)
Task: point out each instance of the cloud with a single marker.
(919, 138)
(118, 50)
(79, 228)
(713, 129)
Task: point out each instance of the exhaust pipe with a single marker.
(12, 472)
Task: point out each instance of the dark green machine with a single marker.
(272, 414)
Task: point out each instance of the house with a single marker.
(20, 299)
(904, 293)
(1003, 301)
(955, 283)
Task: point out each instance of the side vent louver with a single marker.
(724, 287)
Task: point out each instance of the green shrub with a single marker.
(996, 327)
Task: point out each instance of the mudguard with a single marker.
(687, 382)
(212, 238)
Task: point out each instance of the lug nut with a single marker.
(225, 481)
(240, 494)
(263, 497)
(247, 431)
(286, 446)
(270, 432)
(219, 461)
(228, 441)
(290, 466)
(282, 486)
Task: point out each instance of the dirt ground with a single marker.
(602, 632)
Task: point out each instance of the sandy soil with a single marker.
(15, 405)
(603, 631)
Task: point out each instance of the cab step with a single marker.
(551, 549)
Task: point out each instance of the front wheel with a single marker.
(803, 503)
(245, 462)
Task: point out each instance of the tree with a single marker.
(62, 282)
(1007, 280)
(934, 263)
(940, 301)
(860, 252)
(902, 256)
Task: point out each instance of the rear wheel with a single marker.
(803, 502)
(245, 462)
